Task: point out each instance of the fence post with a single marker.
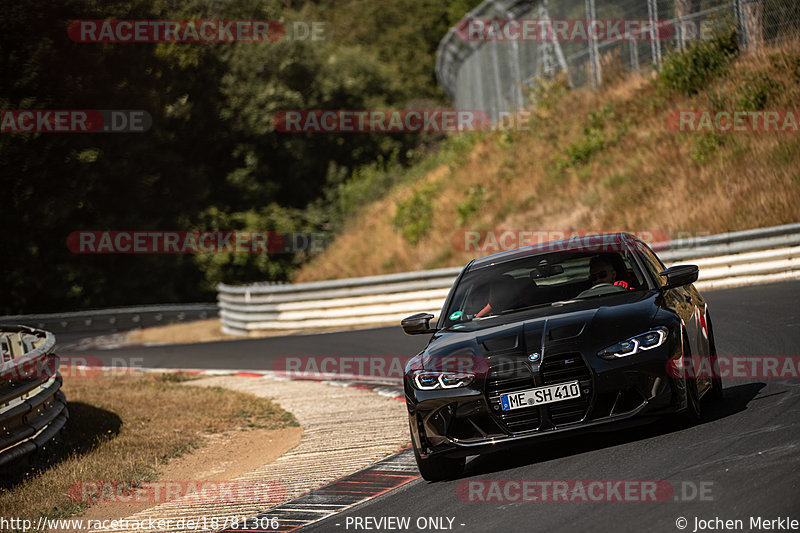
(739, 13)
(634, 50)
(551, 47)
(752, 12)
(480, 94)
(655, 39)
(498, 84)
(684, 9)
(515, 69)
(594, 53)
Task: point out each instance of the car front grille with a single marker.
(510, 372)
(565, 368)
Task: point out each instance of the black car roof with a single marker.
(573, 244)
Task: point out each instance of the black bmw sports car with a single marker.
(551, 340)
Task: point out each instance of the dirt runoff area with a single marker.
(222, 457)
(339, 437)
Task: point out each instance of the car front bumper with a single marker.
(617, 393)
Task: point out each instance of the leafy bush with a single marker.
(366, 184)
(690, 71)
(414, 215)
(580, 151)
(705, 146)
(372, 181)
(473, 203)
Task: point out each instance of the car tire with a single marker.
(439, 468)
(693, 411)
(716, 380)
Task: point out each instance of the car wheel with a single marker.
(716, 380)
(693, 411)
(439, 468)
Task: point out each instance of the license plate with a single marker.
(540, 395)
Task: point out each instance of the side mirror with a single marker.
(680, 275)
(417, 324)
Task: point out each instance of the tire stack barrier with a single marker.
(33, 409)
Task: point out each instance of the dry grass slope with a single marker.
(601, 161)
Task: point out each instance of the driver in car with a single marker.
(602, 271)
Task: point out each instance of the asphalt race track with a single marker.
(745, 454)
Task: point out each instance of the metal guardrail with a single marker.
(337, 303)
(728, 259)
(729, 243)
(725, 260)
(33, 409)
(114, 319)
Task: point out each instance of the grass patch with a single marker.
(757, 91)
(594, 139)
(785, 154)
(125, 428)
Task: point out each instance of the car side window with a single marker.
(638, 277)
(653, 263)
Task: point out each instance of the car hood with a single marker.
(594, 323)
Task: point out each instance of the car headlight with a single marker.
(640, 343)
(431, 380)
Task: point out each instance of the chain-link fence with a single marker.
(489, 60)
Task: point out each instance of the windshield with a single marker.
(541, 280)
